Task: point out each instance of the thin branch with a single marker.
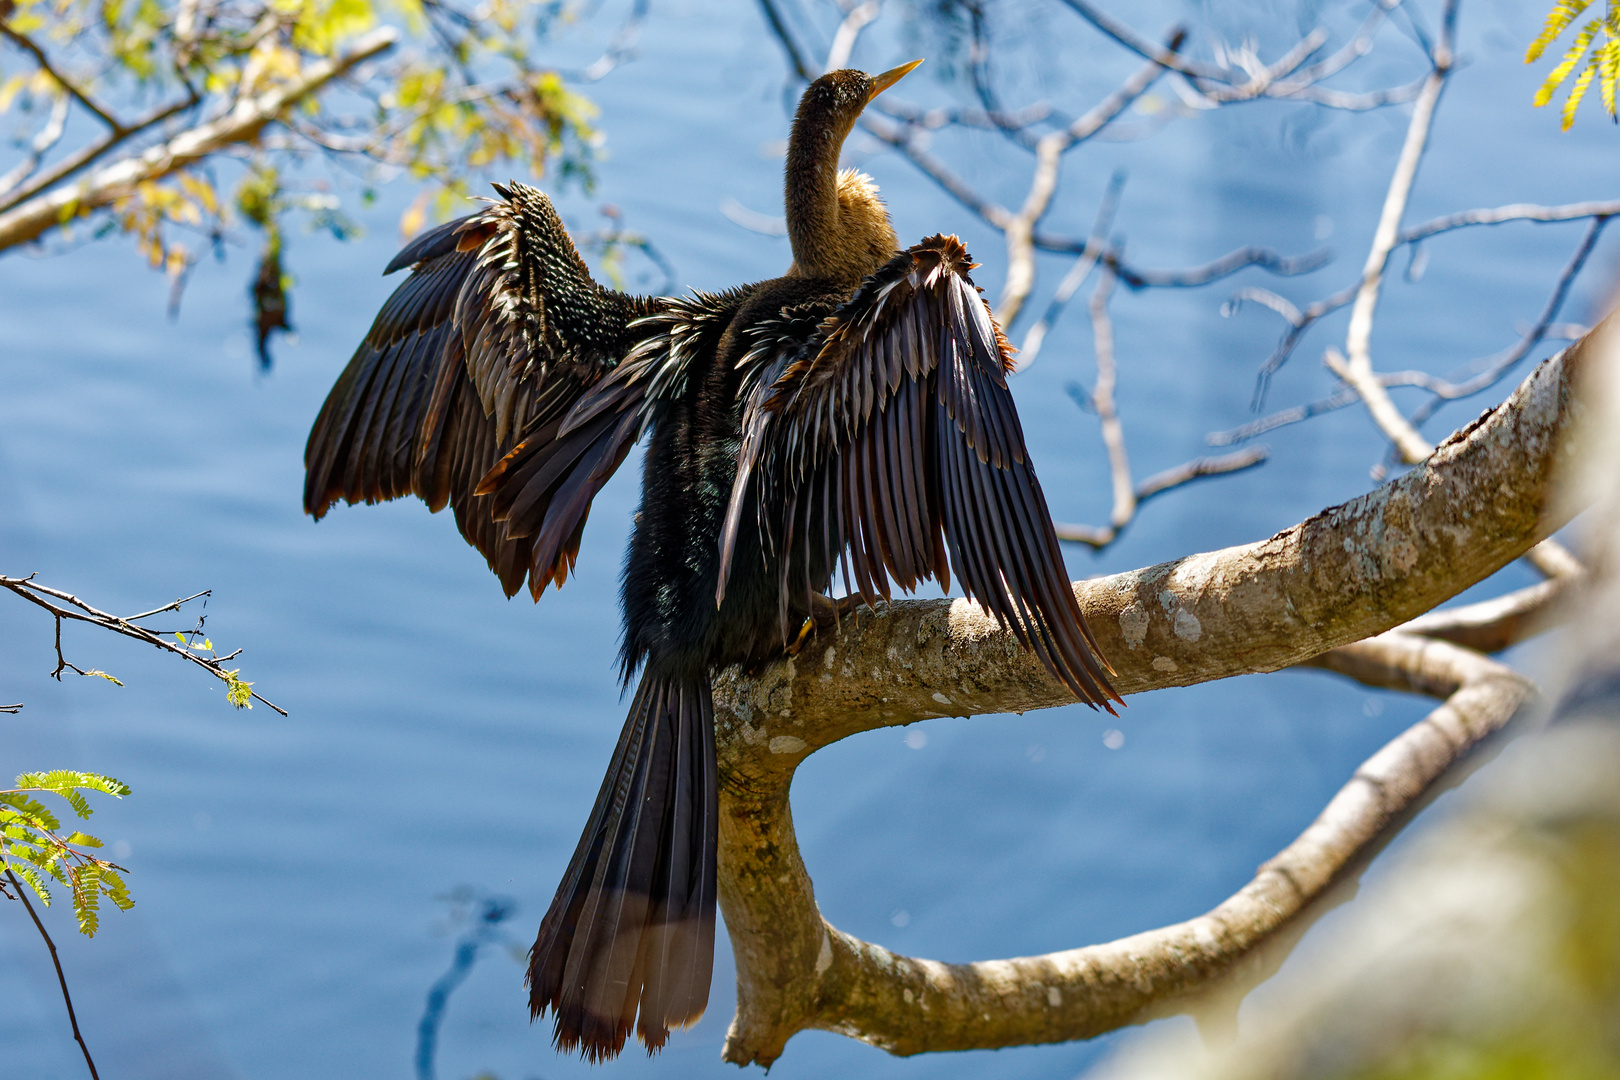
(1225, 266)
(24, 42)
(1102, 399)
(1496, 367)
(41, 144)
(1049, 151)
(1198, 469)
(1358, 370)
(1161, 482)
(1145, 47)
(13, 709)
(1359, 45)
(1515, 212)
(61, 979)
(89, 154)
(1352, 102)
(802, 66)
(1095, 245)
(849, 32)
(621, 47)
(937, 118)
(73, 609)
(752, 220)
(1282, 418)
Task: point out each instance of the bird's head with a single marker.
(837, 224)
(833, 103)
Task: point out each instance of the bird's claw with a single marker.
(805, 633)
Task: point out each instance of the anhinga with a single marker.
(854, 409)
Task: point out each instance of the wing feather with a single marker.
(479, 355)
(897, 428)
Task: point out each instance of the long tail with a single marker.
(632, 925)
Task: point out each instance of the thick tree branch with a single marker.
(242, 123)
(1352, 571)
(796, 971)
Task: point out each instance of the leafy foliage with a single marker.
(238, 691)
(461, 97)
(1602, 63)
(33, 848)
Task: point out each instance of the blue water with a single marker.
(291, 873)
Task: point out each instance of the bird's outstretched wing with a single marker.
(459, 391)
(890, 440)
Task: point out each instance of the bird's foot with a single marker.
(805, 633)
(825, 612)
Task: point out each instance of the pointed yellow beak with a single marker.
(882, 82)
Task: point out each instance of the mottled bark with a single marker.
(1351, 572)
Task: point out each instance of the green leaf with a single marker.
(1562, 14)
(28, 874)
(237, 691)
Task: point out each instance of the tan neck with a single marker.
(838, 226)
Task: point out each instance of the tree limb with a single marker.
(1355, 570)
(797, 971)
(242, 123)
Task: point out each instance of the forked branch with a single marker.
(1351, 572)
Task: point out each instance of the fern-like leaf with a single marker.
(1578, 91)
(1559, 18)
(30, 875)
(1603, 63)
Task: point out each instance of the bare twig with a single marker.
(73, 609)
(17, 708)
(61, 979)
(1095, 244)
(802, 65)
(1496, 367)
(1225, 266)
(1161, 482)
(1350, 102)
(1198, 469)
(1102, 399)
(1515, 212)
(41, 144)
(1049, 151)
(1145, 47)
(1242, 76)
(1357, 370)
(752, 220)
(621, 47)
(849, 32)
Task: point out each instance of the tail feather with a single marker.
(631, 929)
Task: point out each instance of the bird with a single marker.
(850, 416)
